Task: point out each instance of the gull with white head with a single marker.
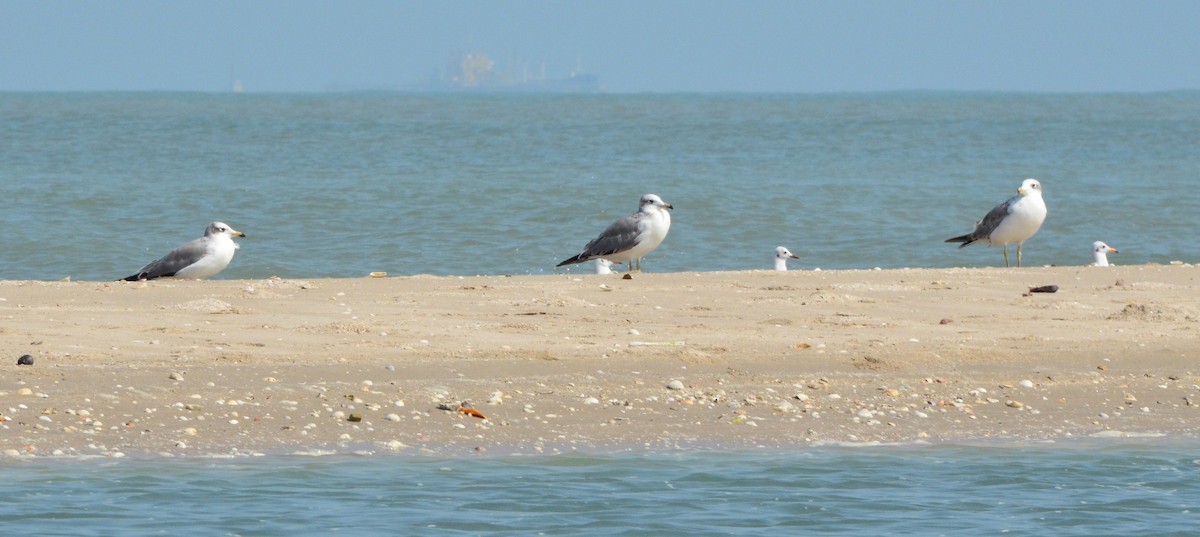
(197, 259)
(1013, 221)
(631, 237)
(781, 256)
(603, 266)
(1100, 253)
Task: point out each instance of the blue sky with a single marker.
(631, 45)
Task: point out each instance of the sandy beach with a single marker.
(546, 364)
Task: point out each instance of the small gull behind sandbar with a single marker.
(782, 254)
(1100, 252)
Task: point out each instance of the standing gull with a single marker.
(197, 259)
(781, 256)
(1100, 253)
(630, 238)
(1015, 220)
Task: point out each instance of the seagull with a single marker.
(603, 266)
(781, 256)
(1100, 253)
(1015, 220)
(197, 259)
(631, 237)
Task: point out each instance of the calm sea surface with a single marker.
(95, 185)
(1097, 490)
(331, 185)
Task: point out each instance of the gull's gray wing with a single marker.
(618, 237)
(173, 262)
(985, 227)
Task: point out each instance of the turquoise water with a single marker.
(345, 184)
(1093, 490)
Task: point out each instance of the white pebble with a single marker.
(675, 385)
(392, 417)
(1026, 383)
(591, 401)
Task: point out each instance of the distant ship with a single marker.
(478, 72)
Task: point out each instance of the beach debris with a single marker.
(463, 408)
(379, 274)
(25, 359)
(1044, 289)
(675, 385)
(627, 276)
(656, 343)
(175, 375)
(1014, 404)
(946, 321)
(472, 412)
(354, 417)
(24, 391)
(1026, 383)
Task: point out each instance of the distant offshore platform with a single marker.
(478, 72)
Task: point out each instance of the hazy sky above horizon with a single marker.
(631, 45)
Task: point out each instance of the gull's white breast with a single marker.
(1026, 217)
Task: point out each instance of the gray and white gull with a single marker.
(629, 239)
(197, 259)
(1013, 221)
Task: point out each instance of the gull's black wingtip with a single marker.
(571, 261)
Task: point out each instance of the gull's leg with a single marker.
(1006, 256)
(1018, 254)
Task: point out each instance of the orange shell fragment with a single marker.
(472, 412)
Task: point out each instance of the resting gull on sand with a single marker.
(1015, 220)
(1100, 253)
(781, 256)
(630, 238)
(197, 259)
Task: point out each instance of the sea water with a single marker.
(340, 185)
(1116, 489)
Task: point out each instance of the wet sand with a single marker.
(727, 360)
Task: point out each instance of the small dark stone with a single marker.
(25, 360)
(1044, 289)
